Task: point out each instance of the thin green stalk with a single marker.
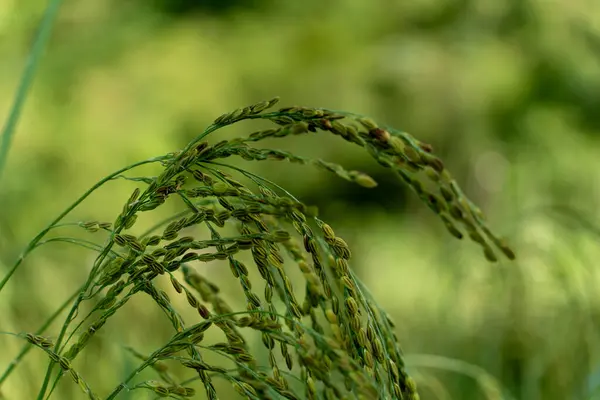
(43, 233)
(26, 348)
(81, 297)
(13, 364)
(489, 385)
(27, 78)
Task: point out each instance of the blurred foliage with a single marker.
(178, 8)
(506, 91)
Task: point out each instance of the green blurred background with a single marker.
(508, 93)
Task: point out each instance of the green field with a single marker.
(506, 92)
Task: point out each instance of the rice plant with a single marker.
(324, 336)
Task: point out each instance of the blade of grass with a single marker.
(33, 59)
(488, 384)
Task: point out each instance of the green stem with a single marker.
(32, 244)
(27, 78)
(43, 233)
(13, 364)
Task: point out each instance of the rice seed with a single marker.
(363, 179)
(489, 254)
(176, 285)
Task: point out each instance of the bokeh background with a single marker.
(508, 93)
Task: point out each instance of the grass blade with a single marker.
(33, 59)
